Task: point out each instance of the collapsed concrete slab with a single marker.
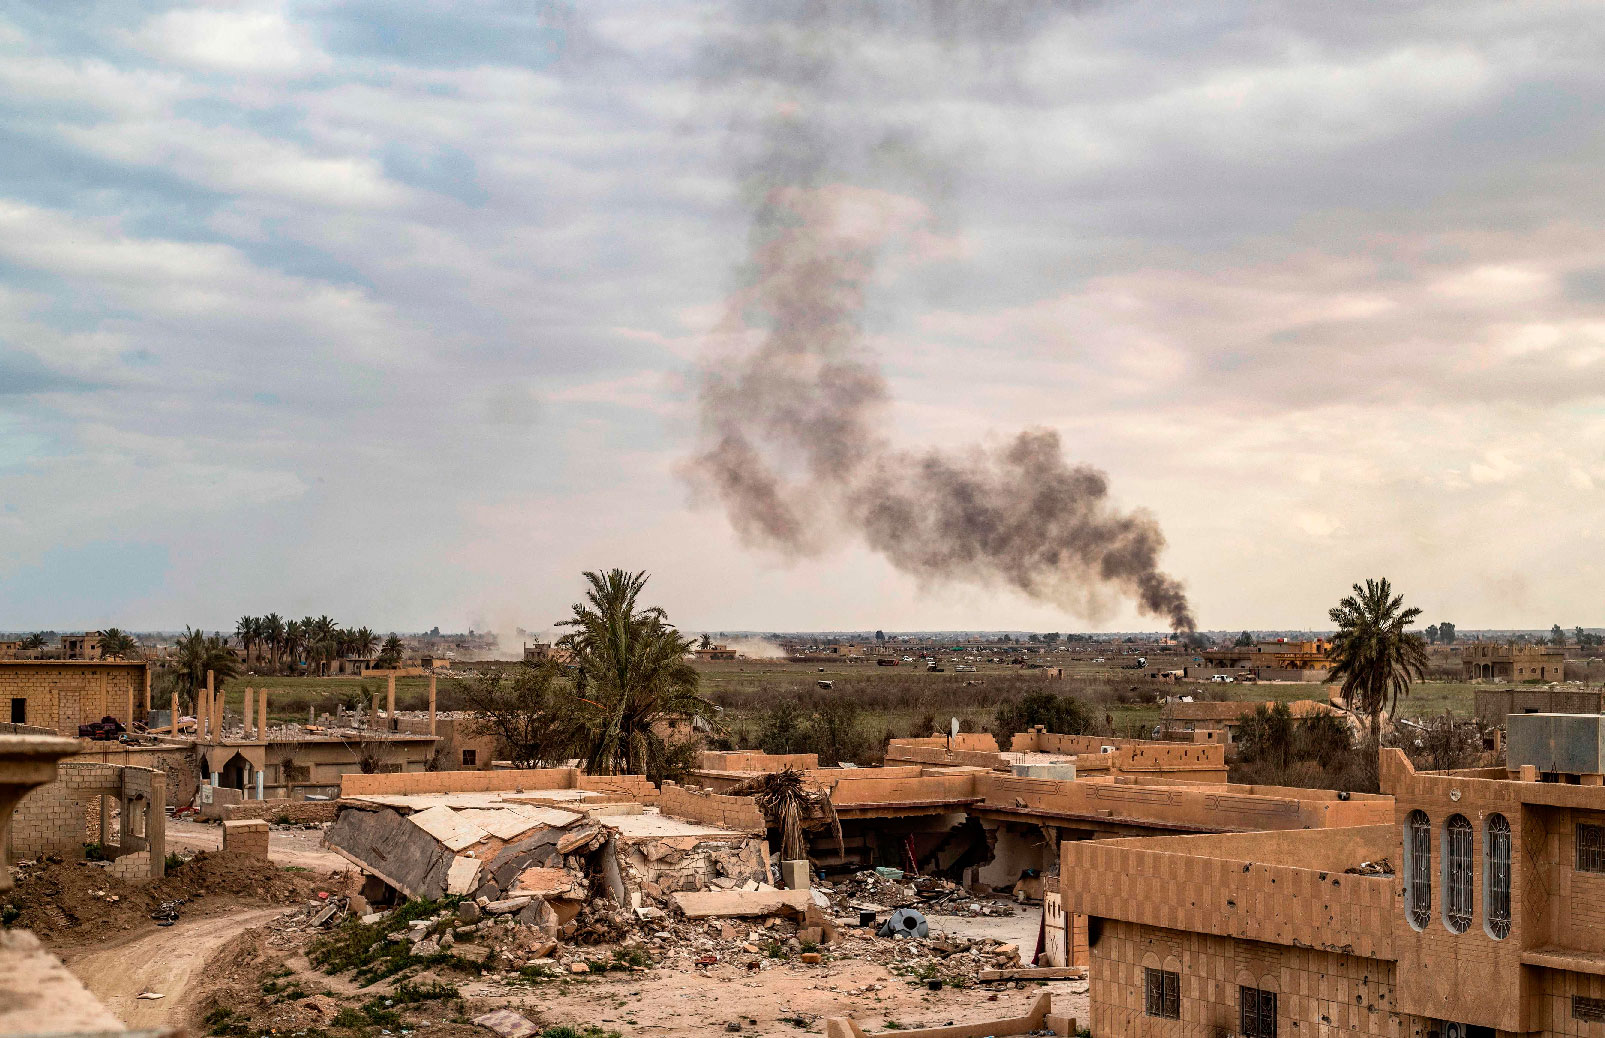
(498, 844)
(711, 904)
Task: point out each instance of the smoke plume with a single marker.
(793, 405)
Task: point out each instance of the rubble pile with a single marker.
(885, 890)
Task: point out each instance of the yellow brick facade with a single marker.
(62, 694)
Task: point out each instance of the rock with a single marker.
(468, 912)
(578, 968)
(750, 949)
(471, 952)
(507, 906)
(728, 932)
(507, 1023)
(733, 1026)
(812, 958)
(427, 946)
(446, 941)
(811, 935)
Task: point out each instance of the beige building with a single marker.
(1475, 913)
(63, 694)
(1484, 661)
(84, 646)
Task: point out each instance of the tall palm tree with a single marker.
(1374, 657)
(294, 639)
(632, 672)
(364, 641)
(116, 645)
(273, 632)
(245, 630)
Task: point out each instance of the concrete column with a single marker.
(261, 715)
(259, 784)
(375, 721)
(431, 704)
(210, 712)
(128, 718)
(174, 718)
(147, 690)
(247, 715)
(105, 823)
(390, 702)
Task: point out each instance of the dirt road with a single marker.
(169, 962)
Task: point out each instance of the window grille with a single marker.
(1496, 876)
(1457, 897)
(1418, 853)
(1591, 848)
(1258, 1012)
(1162, 993)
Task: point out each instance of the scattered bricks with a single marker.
(246, 836)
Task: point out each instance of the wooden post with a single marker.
(390, 702)
(261, 717)
(375, 721)
(247, 715)
(431, 703)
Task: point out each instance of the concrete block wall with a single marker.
(636, 787)
(1318, 992)
(52, 819)
(247, 837)
(65, 695)
(299, 811)
(852, 791)
(738, 813)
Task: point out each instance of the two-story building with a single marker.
(1486, 661)
(1479, 911)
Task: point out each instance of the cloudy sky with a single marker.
(397, 311)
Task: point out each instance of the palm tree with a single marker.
(195, 654)
(390, 655)
(364, 641)
(273, 631)
(1373, 657)
(294, 639)
(245, 630)
(116, 645)
(631, 670)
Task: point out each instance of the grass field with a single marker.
(890, 699)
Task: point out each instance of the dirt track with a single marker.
(169, 962)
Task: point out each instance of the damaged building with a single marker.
(543, 843)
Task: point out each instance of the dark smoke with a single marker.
(793, 405)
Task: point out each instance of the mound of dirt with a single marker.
(73, 902)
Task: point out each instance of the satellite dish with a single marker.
(954, 729)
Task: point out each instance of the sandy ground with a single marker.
(299, 847)
(170, 962)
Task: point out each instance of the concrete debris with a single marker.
(723, 903)
(507, 1023)
(880, 890)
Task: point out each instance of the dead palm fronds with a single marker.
(791, 807)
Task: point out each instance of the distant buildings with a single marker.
(1271, 661)
(1483, 661)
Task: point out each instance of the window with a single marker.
(1258, 1012)
(1591, 848)
(1457, 874)
(1418, 869)
(469, 756)
(19, 711)
(1590, 1009)
(1496, 877)
(1162, 993)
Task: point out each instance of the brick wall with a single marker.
(743, 760)
(738, 813)
(1318, 992)
(248, 837)
(53, 819)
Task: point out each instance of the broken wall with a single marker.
(738, 813)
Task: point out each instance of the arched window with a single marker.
(1496, 877)
(1418, 869)
(1457, 875)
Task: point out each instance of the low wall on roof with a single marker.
(752, 760)
(501, 780)
(890, 792)
(1204, 807)
(1174, 882)
(738, 813)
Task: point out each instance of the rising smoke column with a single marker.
(793, 405)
